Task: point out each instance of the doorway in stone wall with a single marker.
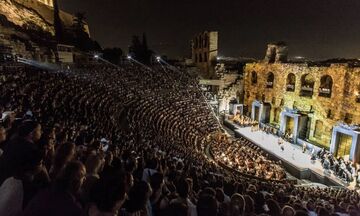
(289, 128)
(344, 146)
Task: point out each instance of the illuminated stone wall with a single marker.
(38, 12)
(204, 48)
(47, 2)
(325, 112)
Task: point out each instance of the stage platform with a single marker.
(294, 160)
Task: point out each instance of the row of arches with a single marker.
(201, 41)
(307, 83)
(201, 57)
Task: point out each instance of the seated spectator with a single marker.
(61, 198)
(183, 190)
(93, 166)
(177, 209)
(18, 150)
(156, 199)
(107, 196)
(274, 207)
(207, 206)
(18, 190)
(64, 154)
(237, 204)
(287, 211)
(139, 200)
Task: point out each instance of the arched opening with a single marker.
(205, 57)
(307, 85)
(253, 78)
(206, 41)
(325, 89)
(270, 80)
(290, 82)
(319, 129)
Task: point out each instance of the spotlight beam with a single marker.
(106, 61)
(41, 65)
(139, 63)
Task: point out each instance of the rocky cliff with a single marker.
(33, 14)
(23, 16)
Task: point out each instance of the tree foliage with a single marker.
(139, 50)
(113, 55)
(79, 37)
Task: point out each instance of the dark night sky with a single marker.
(316, 29)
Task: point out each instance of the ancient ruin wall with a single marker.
(342, 103)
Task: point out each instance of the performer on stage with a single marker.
(304, 147)
(313, 156)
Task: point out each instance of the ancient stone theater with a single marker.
(316, 103)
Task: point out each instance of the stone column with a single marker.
(355, 147)
(296, 128)
(253, 111)
(334, 140)
(282, 122)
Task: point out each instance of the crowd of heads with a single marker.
(244, 121)
(246, 157)
(132, 141)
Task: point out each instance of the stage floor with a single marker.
(292, 154)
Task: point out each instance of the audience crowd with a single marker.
(134, 141)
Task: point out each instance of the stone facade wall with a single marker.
(342, 106)
(21, 16)
(204, 48)
(38, 12)
(19, 48)
(276, 52)
(47, 2)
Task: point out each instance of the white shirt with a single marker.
(147, 173)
